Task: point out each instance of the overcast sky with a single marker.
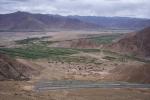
(125, 8)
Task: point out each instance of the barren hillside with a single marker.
(11, 69)
(140, 74)
(137, 43)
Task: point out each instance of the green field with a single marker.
(37, 51)
(65, 54)
(105, 39)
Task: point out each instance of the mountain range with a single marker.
(115, 22)
(24, 21)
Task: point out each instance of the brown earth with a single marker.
(14, 91)
(139, 74)
(106, 70)
(24, 90)
(136, 43)
(11, 69)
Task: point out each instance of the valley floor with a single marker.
(61, 60)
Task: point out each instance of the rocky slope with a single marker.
(11, 69)
(137, 43)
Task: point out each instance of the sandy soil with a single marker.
(54, 70)
(15, 91)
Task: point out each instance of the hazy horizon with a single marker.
(106, 8)
(75, 15)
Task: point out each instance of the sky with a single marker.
(109, 8)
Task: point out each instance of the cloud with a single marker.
(126, 8)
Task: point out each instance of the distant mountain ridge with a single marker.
(116, 22)
(23, 21)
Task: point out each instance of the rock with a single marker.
(11, 69)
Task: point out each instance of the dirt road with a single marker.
(74, 84)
